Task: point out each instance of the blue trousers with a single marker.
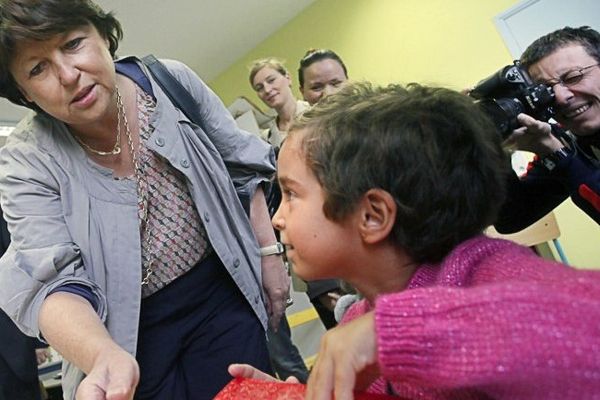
(191, 330)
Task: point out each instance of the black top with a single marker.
(542, 189)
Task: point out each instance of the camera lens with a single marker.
(503, 113)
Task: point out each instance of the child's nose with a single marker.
(277, 220)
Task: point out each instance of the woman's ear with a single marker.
(377, 216)
(24, 93)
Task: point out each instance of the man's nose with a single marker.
(562, 94)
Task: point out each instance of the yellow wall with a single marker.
(449, 42)
(446, 42)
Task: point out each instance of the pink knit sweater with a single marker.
(493, 320)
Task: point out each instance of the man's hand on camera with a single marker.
(534, 136)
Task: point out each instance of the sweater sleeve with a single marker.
(511, 340)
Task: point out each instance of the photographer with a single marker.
(567, 60)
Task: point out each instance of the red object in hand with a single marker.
(253, 389)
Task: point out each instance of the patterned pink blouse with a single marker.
(178, 239)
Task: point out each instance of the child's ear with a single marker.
(377, 216)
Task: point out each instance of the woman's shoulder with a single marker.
(175, 65)
(37, 140)
(188, 78)
(132, 66)
(180, 70)
(35, 131)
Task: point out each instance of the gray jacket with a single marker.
(72, 222)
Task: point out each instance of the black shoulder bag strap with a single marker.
(175, 91)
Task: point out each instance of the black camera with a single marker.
(509, 92)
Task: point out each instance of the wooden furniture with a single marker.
(539, 234)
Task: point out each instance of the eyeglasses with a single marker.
(570, 78)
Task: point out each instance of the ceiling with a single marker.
(208, 35)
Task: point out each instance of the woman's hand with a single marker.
(347, 361)
(114, 376)
(42, 355)
(276, 284)
(275, 279)
(72, 327)
(248, 371)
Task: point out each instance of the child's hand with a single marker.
(248, 371)
(329, 299)
(347, 361)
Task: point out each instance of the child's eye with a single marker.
(288, 194)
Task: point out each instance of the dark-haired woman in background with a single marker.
(321, 73)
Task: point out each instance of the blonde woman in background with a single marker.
(321, 73)
(272, 83)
